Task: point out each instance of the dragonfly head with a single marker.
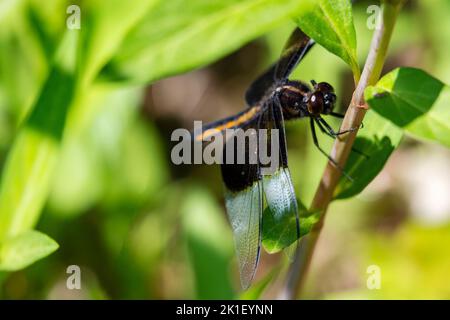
(322, 98)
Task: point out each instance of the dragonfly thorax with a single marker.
(293, 97)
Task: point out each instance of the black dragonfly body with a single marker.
(271, 99)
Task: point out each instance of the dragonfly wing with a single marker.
(244, 210)
(243, 199)
(295, 49)
(278, 187)
(261, 86)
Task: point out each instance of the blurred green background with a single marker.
(140, 227)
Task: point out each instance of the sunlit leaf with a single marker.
(104, 24)
(280, 234)
(26, 181)
(176, 36)
(415, 101)
(330, 23)
(24, 249)
(376, 141)
(33, 155)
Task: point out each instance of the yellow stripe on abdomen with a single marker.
(230, 124)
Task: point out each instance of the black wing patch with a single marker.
(262, 85)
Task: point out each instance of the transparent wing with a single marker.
(244, 210)
(278, 187)
(280, 198)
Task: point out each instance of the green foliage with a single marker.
(169, 41)
(414, 101)
(376, 141)
(26, 181)
(127, 168)
(20, 251)
(330, 23)
(105, 25)
(282, 232)
(33, 156)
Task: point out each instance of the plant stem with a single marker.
(342, 147)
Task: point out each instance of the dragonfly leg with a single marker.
(330, 129)
(334, 137)
(316, 143)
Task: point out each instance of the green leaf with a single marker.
(49, 113)
(33, 155)
(104, 26)
(376, 140)
(26, 181)
(176, 36)
(281, 233)
(330, 23)
(23, 61)
(415, 101)
(24, 249)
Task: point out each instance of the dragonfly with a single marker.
(271, 100)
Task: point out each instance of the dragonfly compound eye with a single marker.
(315, 103)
